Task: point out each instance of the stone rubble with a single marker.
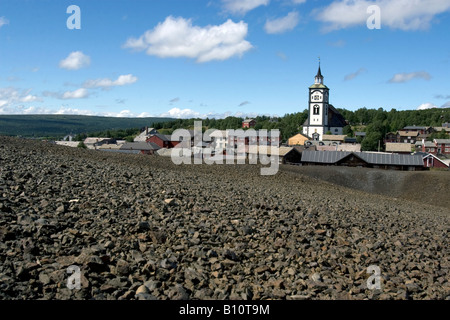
(140, 227)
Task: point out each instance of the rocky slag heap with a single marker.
(140, 227)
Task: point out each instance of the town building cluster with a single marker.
(406, 149)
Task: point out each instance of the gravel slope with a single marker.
(429, 187)
(140, 227)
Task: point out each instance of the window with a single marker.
(316, 109)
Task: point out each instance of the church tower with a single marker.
(318, 108)
(322, 116)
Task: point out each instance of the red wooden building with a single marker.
(431, 161)
(160, 140)
(163, 141)
(249, 123)
(442, 146)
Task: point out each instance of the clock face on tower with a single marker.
(316, 97)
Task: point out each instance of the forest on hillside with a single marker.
(51, 126)
(375, 122)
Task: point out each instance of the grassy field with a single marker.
(57, 126)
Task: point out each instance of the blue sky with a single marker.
(194, 58)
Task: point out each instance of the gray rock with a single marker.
(178, 293)
(122, 267)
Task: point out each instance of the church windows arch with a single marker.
(316, 110)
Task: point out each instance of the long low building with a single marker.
(363, 159)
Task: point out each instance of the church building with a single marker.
(323, 117)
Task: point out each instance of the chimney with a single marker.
(423, 145)
(146, 131)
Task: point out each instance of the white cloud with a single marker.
(76, 60)
(353, 75)
(446, 105)
(3, 21)
(66, 110)
(43, 110)
(405, 77)
(144, 115)
(21, 109)
(189, 113)
(30, 98)
(298, 1)
(180, 113)
(399, 14)
(284, 24)
(77, 94)
(243, 6)
(175, 113)
(425, 106)
(177, 37)
(11, 96)
(107, 83)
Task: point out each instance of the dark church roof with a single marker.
(318, 86)
(337, 120)
(331, 157)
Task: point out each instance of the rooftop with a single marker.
(318, 86)
(439, 129)
(331, 137)
(140, 146)
(332, 157)
(442, 141)
(92, 140)
(406, 133)
(415, 128)
(428, 144)
(398, 147)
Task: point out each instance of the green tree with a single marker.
(82, 145)
(371, 141)
(348, 131)
(80, 137)
(439, 135)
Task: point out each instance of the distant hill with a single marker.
(56, 126)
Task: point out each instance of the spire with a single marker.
(319, 77)
(319, 73)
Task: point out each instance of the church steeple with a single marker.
(319, 77)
